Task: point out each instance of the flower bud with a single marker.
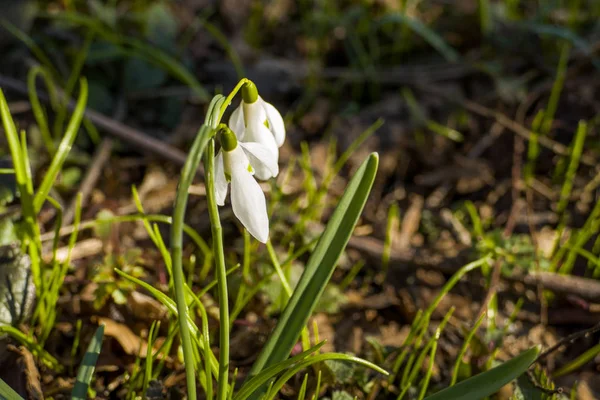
(249, 92)
(228, 140)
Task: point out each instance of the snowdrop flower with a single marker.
(236, 163)
(255, 120)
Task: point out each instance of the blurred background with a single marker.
(484, 114)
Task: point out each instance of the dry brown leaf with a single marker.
(19, 371)
(82, 249)
(393, 335)
(131, 343)
(145, 307)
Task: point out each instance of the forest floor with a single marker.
(486, 124)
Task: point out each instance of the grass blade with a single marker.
(38, 351)
(88, 364)
(577, 150)
(265, 375)
(276, 387)
(6, 392)
(136, 47)
(172, 307)
(63, 149)
(463, 349)
(35, 49)
(578, 362)
(431, 37)
(150, 356)
(319, 268)
(489, 382)
(38, 111)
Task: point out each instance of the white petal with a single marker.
(249, 204)
(254, 114)
(259, 133)
(235, 159)
(220, 180)
(236, 122)
(276, 124)
(261, 157)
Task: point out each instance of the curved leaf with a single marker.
(276, 387)
(265, 375)
(489, 382)
(319, 268)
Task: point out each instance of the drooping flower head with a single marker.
(255, 120)
(235, 164)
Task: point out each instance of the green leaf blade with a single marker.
(63, 149)
(319, 268)
(88, 365)
(489, 382)
(8, 393)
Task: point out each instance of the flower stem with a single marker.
(187, 175)
(236, 89)
(221, 271)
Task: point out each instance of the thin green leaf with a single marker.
(425, 32)
(268, 373)
(557, 87)
(463, 349)
(6, 392)
(63, 148)
(316, 359)
(23, 178)
(562, 33)
(34, 347)
(149, 53)
(302, 392)
(172, 307)
(31, 45)
(577, 363)
(485, 17)
(88, 364)
(36, 106)
(149, 356)
(489, 382)
(318, 388)
(221, 38)
(577, 149)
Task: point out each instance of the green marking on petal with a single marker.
(249, 92)
(267, 123)
(250, 169)
(228, 176)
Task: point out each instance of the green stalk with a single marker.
(18, 152)
(187, 175)
(231, 95)
(284, 281)
(576, 151)
(220, 269)
(36, 106)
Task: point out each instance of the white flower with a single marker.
(236, 163)
(255, 120)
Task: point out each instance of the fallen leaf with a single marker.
(131, 343)
(145, 307)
